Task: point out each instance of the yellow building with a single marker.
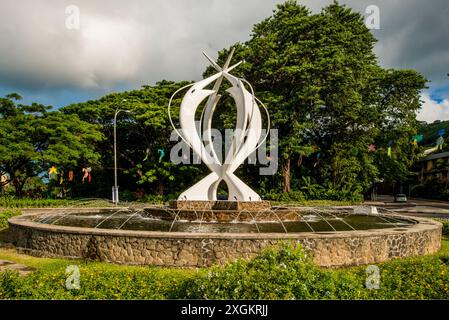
(435, 166)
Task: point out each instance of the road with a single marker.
(414, 207)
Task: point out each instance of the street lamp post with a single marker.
(115, 198)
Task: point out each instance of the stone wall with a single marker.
(197, 250)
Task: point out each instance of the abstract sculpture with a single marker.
(245, 139)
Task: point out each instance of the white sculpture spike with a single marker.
(249, 126)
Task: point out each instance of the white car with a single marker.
(400, 198)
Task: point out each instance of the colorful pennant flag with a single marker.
(52, 172)
(161, 154)
(87, 174)
(147, 153)
(440, 142)
(70, 176)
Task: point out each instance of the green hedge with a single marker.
(300, 196)
(285, 273)
(5, 215)
(289, 274)
(445, 223)
(96, 282)
(14, 202)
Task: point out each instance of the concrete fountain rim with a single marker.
(421, 225)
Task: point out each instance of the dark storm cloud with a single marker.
(126, 44)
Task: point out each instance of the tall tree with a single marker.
(325, 91)
(140, 136)
(32, 139)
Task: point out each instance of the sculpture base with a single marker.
(220, 205)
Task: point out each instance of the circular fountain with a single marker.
(201, 233)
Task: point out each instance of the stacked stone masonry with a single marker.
(344, 248)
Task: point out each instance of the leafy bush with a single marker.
(157, 199)
(278, 273)
(431, 189)
(14, 202)
(5, 215)
(445, 223)
(284, 273)
(96, 282)
(315, 193)
(417, 278)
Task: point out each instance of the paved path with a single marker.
(414, 207)
(12, 266)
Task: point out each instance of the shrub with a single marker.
(445, 223)
(284, 273)
(13, 202)
(96, 282)
(5, 215)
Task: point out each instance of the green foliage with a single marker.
(285, 272)
(139, 137)
(320, 79)
(431, 189)
(325, 91)
(418, 278)
(445, 223)
(430, 133)
(20, 202)
(5, 215)
(16, 202)
(310, 190)
(32, 139)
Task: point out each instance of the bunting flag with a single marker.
(147, 154)
(441, 132)
(52, 172)
(389, 152)
(440, 142)
(87, 174)
(70, 176)
(161, 154)
(417, 138)
(371, 148)
(318, 155)
(61, 178)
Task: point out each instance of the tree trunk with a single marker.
(286, 176)
(160, 188)
(17, 187)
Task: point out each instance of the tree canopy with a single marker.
(33, 139)
(329, 98)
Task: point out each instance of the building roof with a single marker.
(437, 156)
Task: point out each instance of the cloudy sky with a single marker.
(121, 45)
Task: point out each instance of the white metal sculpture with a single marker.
(246, 137)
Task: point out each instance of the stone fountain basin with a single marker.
(185, 249)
